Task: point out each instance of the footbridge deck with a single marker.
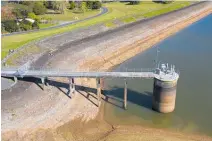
(163, 74)
(65, 73)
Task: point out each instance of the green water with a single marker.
(190, 50)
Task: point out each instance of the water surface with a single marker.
(190, 50)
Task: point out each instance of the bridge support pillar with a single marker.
(43, 82)
(47, 82)
(15, 79)
(164, 95)
(98, 91)
(125, 94)
(72, 87)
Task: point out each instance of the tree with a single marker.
(21, 11)
(134, 2)
(89, 4)
(10, 26)
(58, 5)
(72, 5)
(28, 3)
(35, 25)
(83, 6)
(93, 4)
(96, 5)
(32, 15)
(48, 4)
(6, 13)
(39, 8)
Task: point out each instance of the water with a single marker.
(190, 50)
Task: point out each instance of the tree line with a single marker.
(13, 11)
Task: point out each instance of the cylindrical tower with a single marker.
(164, 93)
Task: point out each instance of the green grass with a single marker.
(70, 15)
(46, 25)
(110, 24)
(129, 19)
(117, 10)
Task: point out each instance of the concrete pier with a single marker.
(98, 91)
(72, 87)
(164, 92)
(43, 83)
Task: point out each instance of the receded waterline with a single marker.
(191, 52)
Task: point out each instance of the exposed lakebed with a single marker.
(190, 50)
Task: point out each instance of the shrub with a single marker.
(25, 25)
(32, 15)
(39, 8)
(10, 26)
(35, 25)
(72, 5)
(38, 19)
(26, 22)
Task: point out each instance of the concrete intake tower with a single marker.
(164, 89)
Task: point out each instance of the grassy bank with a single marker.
(70, 15)
(46, 25)
(117, 10)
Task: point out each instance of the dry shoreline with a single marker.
(77, 130)
(98, 127)
(112, 58)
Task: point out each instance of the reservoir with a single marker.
(190, 50)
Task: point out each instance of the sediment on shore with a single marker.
(96, 54)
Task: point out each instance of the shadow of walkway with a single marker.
(114, 96)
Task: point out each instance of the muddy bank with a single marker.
(56, 108)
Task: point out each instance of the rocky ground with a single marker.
(28, 112)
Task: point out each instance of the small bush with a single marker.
(35, 25)
(25, 27)
(32, 15)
